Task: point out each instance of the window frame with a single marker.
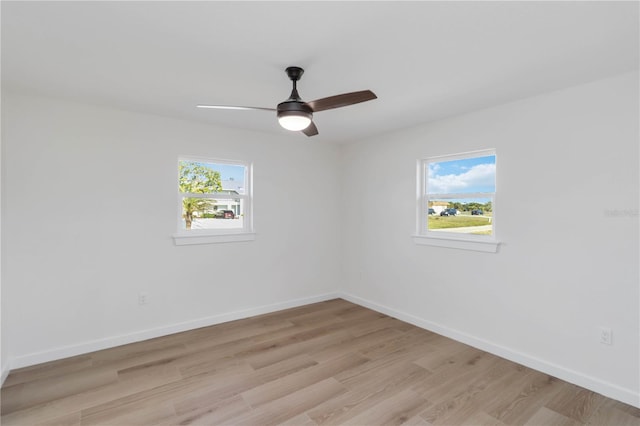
(423, 236)
(212, 236)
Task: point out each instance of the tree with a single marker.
(195, 178)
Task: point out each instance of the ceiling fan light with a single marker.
(294, 120)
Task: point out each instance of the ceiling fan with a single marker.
(295, 114)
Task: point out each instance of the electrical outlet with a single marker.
(143, 298)
(606, 336)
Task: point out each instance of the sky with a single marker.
(467, 175)
(228, 172)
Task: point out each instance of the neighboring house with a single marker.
(438, 206)
(230, 204)
(232, 187)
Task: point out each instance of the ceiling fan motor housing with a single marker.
(294, 107)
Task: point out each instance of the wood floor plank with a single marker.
(481, 418)
(146, 413)
(416, 421)
(318, 318)
(478, 392)
(166, 369)
(444, 384)
(328, 363)
(346, 346)
(395, 410)
(42, 391)
(436, 357)
(633, 411)
(229, 387)
(575, 402)
(410, 343)
(199, 358)
(122, 410)
(210, 411)
(615, 413)
(368, 388)
(210, 338)
(285, 385)
(539, 389)
(361, 326)
(300, 420)
(545, 416)
(49, 369)
(292, 404)
(298, 344)
(72, 419)
(380, 373)
(42, 412)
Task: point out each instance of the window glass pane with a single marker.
(202, 178)
(465, 215)
(209, 213)
(467, 175)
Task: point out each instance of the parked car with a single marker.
(432, 211)
(477, 212)
(445, 212)
(225, 214)
(449, 212)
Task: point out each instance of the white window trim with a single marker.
(457, 243)
(483, 243)
(201, 238)
(214, 236)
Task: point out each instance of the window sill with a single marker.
(484, 246)
(190, 239)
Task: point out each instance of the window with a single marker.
(457, 201)
(214, 201)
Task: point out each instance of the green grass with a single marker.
(442, 222)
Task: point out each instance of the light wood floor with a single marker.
(328, 363)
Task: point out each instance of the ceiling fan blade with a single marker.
(242, 108)
(311, 130)
(342, 100)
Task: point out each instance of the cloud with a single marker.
(476, 179)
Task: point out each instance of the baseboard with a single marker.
(610, 390)
(110, 342)
(4, 372)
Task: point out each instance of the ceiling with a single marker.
(424, 60)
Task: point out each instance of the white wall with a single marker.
(567, 200)
(89, 207)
